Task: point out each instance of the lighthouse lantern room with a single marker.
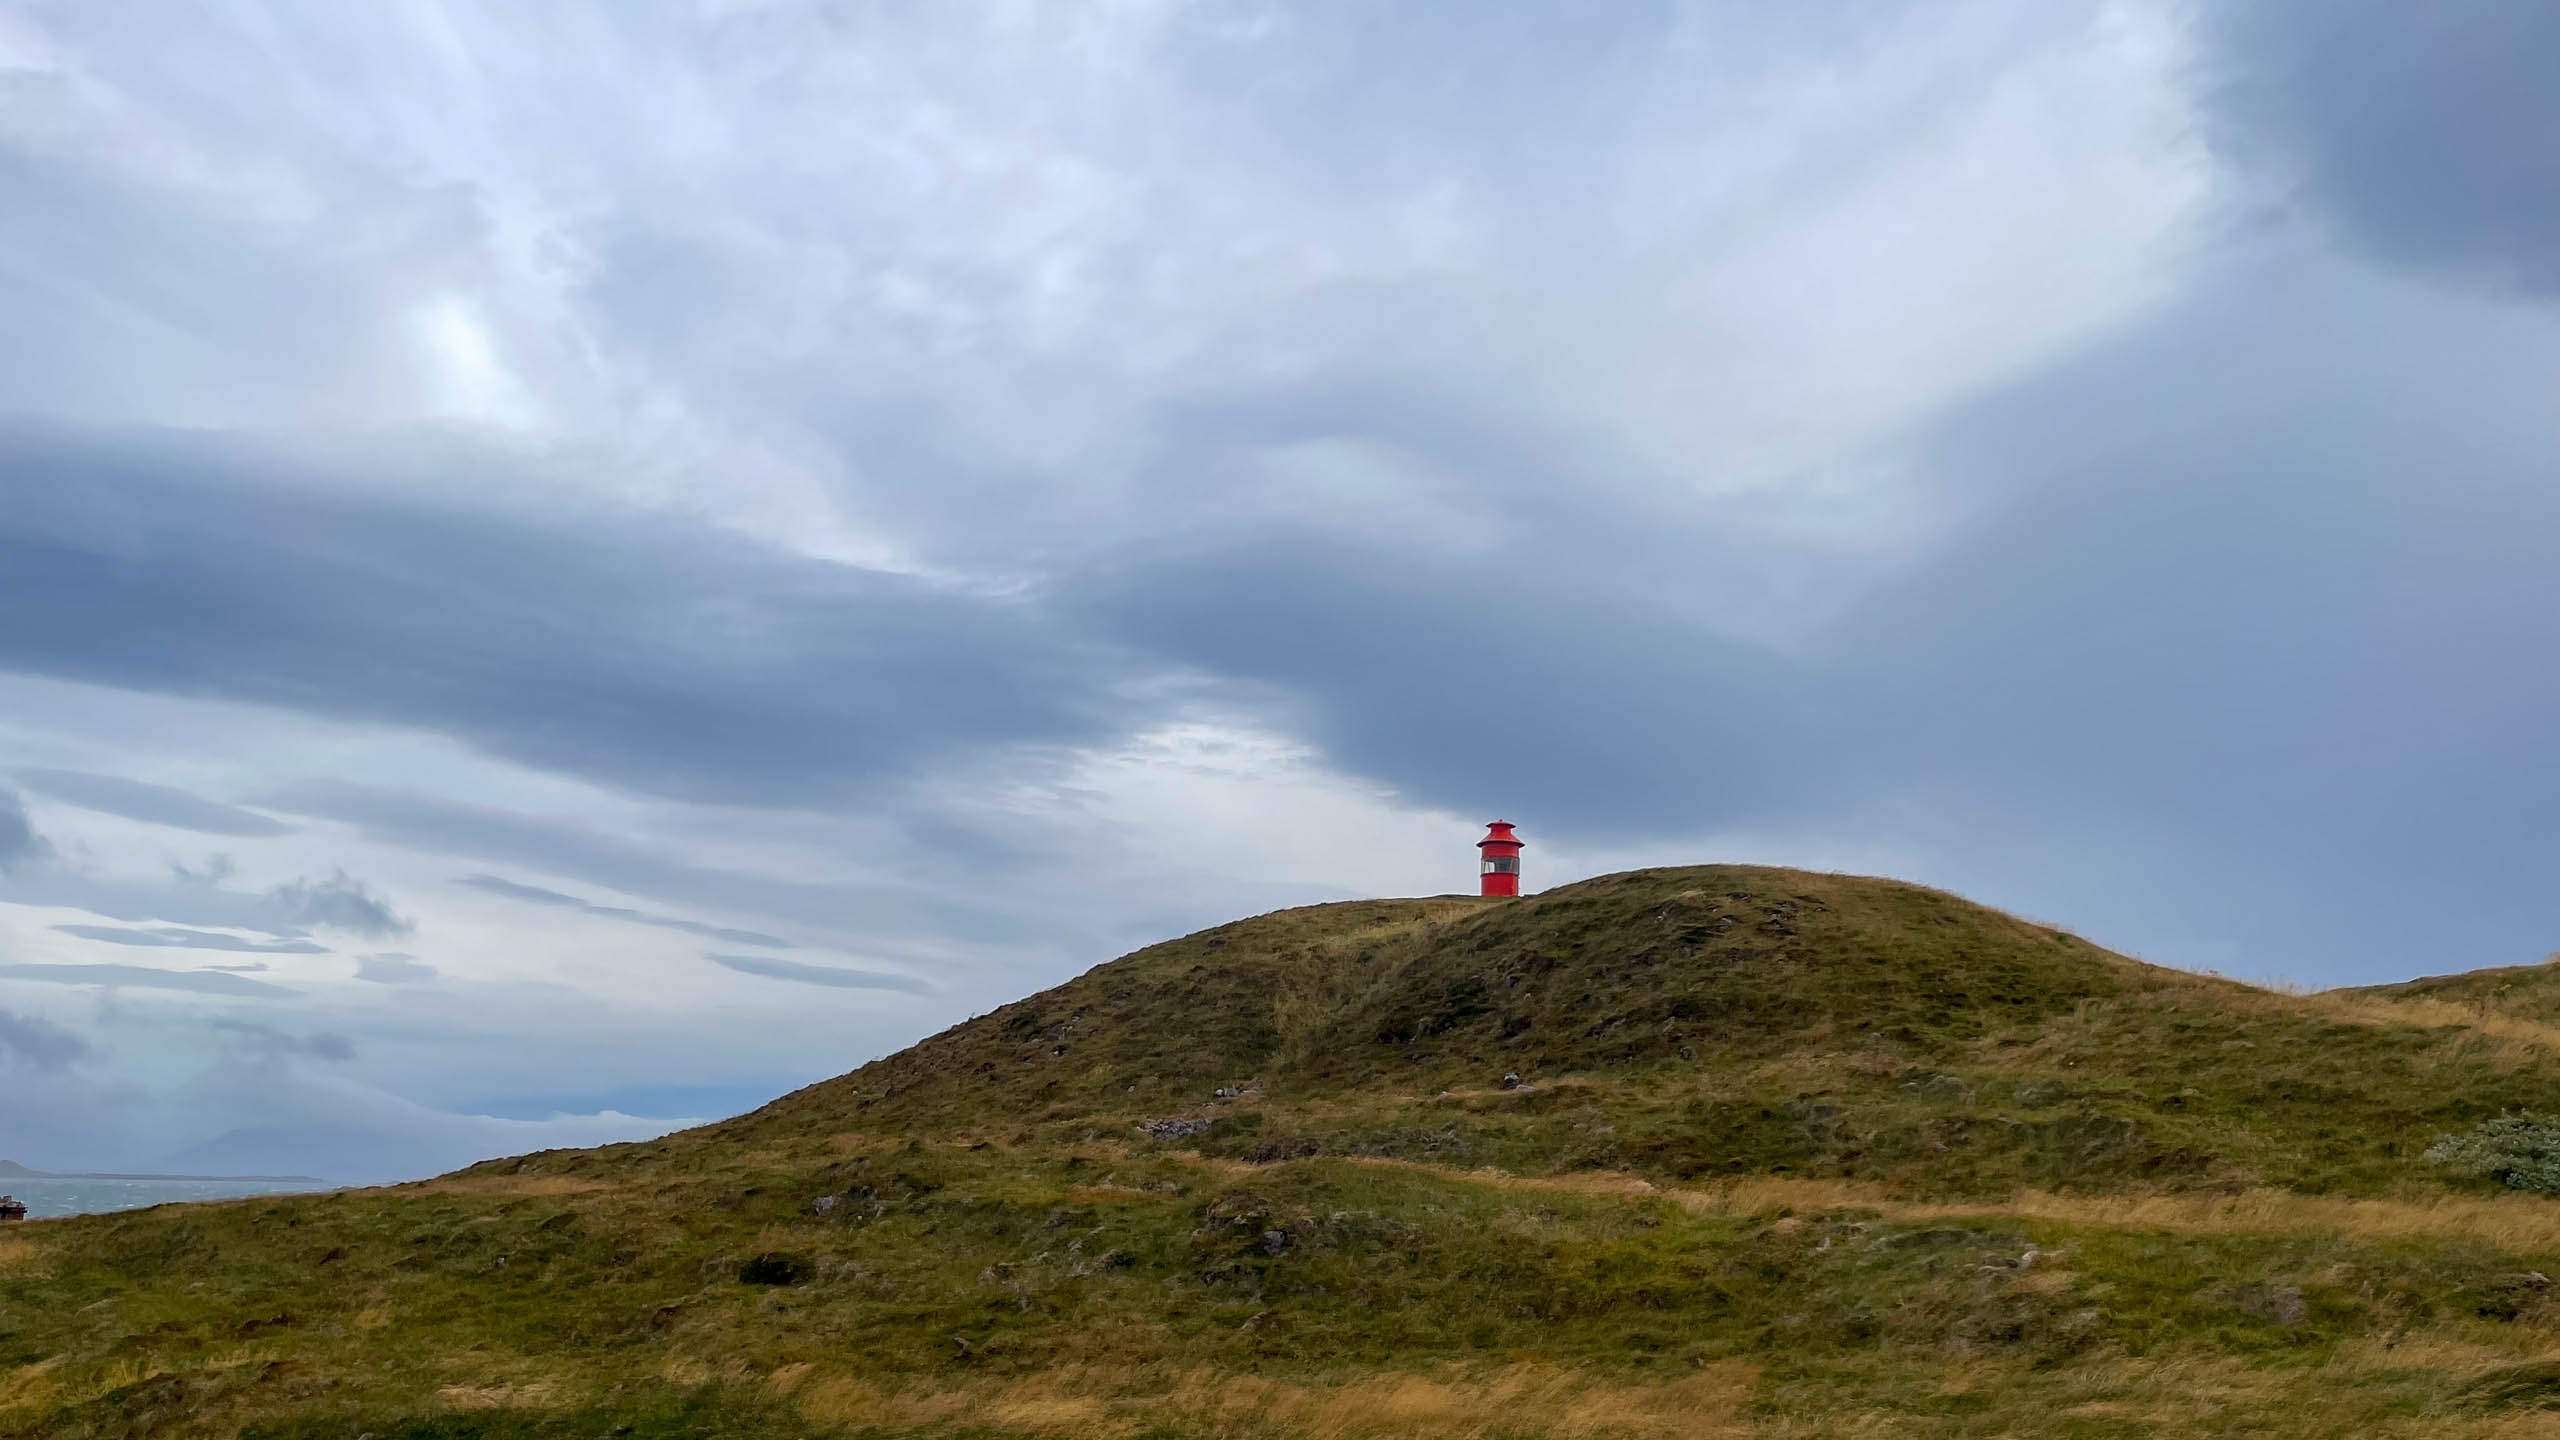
(1501, 859)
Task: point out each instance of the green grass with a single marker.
(957, 1268)
(1910, 1117)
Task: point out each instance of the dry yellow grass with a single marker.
(2195, 1392)
(2516, 1222)
(508, 1187)
(1454, 1405)
(2510, 1222)
(31, 1386)
(2507, 1041)
(538, 1395)
(17, 1250)
(2517, 1041)
(43, 1384)
(1107, 1194)
(2513, 1040)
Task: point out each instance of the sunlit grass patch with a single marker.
(33, 1385)
(539, 1395)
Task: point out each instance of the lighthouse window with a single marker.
(1502, 864)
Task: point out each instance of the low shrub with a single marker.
(2520, 1151)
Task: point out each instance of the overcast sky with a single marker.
(565, 569)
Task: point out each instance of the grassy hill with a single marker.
(1718, 1151)
(2529, 993)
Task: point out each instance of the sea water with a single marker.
(90, 1197)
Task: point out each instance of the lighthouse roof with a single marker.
(1498, 832)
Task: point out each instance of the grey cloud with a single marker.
(2246, 611)
(178, 899)
(340, 902)
(393, 968)
(34, 1041)
(153, 804)
(692, 927)
(181, 565)
(267, 1040)
(2255, 613)
(19, 841)
(1590, 705)
(131, 312)
(2425, 130)
(536, 895)
(422, 822)
(250, 968)
(176, 937)
(1586, 665)
(198, 899)
(829, 975)
(143, 977)
(530, 894)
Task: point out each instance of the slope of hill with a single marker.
(1786, 1155)
(2529, 993)
(1693, 1022)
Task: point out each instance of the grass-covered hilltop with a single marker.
(1701, 1152)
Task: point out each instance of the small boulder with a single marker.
(1940, 1087)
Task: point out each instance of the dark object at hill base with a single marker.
(775, 1267)
(12, 1208)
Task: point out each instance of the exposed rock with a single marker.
(1274, 1241)
(1511, 1082)
(825, 1205)
(1940, 1087)
(1173, 1127)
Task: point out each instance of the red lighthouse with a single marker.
(1501, 859)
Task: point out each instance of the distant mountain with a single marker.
(349, 1152)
